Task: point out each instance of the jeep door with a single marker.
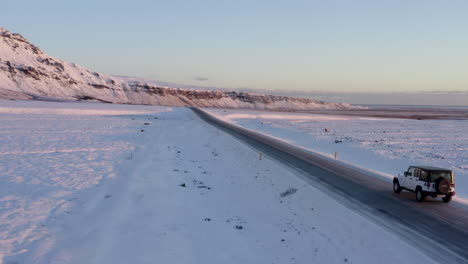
(406, 179)
(413, 179)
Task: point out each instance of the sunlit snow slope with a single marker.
(28, 73)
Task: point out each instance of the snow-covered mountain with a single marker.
(28, 73)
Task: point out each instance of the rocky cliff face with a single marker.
(28, 73)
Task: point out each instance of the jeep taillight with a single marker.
(452, 185)
(428, 184)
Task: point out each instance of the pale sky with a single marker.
(343, 46)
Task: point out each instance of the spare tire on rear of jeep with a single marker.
(442, 185)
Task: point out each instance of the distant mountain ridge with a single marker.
(28, 73)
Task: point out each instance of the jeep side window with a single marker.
(416, 173)
(423, 175)
(410, 171)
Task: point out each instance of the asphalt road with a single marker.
(439, 229)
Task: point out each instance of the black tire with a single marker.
(447, 198)
(420, 194)
(396, 186)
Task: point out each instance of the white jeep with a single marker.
(426, 181)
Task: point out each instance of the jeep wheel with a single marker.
(396, 186)
(419, 194)
(447, 198)
(442, 186)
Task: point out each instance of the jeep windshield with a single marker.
(434, 175)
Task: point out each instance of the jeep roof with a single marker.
(431, 168)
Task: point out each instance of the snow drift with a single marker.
(28, 73)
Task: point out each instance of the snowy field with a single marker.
(381, 144)
(100, 183)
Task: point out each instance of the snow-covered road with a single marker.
(108, 188)
(386, 145)
(444, 228)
